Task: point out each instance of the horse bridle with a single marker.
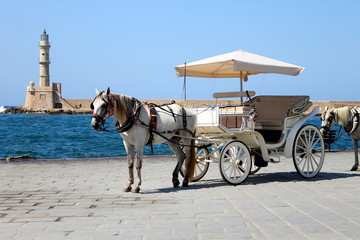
(109, 108)
(329, 120)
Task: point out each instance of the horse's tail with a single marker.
(192, 161)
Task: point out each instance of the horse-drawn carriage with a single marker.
(244, 138)
(248, 136)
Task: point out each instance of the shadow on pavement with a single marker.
(260, 178)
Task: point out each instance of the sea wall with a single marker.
(82, 106)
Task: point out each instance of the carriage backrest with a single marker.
(272, 110)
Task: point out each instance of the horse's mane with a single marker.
(343, 115)
(124, 105)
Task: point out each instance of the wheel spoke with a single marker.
(311, 160)
(313, 145)
(227, 157)
(317, 155)
(228, 167)
(301, 147)
(306, 137)
(240, 171)
(304, 164)
(314, 161)
(300, 159)
(241, 168)
(313, 136)
(302, 140)
(232, 173)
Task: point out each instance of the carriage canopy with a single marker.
(236, 64)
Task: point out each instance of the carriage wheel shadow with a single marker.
(260, 178)
(293, 176)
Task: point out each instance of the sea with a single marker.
(48, 136)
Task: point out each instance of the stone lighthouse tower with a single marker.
(45, 96)
(44, 60)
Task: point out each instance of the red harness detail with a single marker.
(152, 117)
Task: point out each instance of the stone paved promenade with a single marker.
(83, 199)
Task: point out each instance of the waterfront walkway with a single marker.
(83, 199)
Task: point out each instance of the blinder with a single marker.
(108, 105)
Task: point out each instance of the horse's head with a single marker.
(327, 120)
(103, 108)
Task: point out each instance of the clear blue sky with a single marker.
(133, 46)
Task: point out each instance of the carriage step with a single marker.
(274, 161)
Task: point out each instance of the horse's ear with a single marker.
(97, 91)
(108, 91)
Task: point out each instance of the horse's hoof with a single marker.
(176, 183)
(127, 188)
(185, 184)
(136, 190)
(354, 168)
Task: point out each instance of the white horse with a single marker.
(348, 117)
(143, 124)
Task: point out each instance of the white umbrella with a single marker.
(236, 64)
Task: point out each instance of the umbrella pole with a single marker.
(184, 86)
(241, 88)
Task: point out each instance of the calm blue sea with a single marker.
(60, 136)
(71, 136)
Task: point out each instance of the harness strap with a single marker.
(354, 122)
(184, 118)
(152, 124)
(131, 120)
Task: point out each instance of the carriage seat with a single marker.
(272, 110)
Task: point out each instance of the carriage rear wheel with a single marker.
(308, 151)
(235, 162)
(201, 165)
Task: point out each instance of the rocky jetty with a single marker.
(47, 111)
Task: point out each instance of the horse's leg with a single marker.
(139, 157)
(356, 152)
(187, 152)
(180, 156)
(130, 157)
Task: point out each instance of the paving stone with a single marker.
(84, 200)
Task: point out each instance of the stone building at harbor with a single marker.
(47, 95)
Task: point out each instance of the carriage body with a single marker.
(246, 137)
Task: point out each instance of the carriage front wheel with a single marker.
(308, 151)
(201, 165)
(235, 162)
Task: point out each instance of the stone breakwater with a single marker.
(83, 106)
(48, 111)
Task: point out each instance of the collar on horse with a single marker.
(354, 121)
(130, 122)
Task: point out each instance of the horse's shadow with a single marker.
(202, 184)
(257, 179)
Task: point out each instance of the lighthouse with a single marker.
(44, 60)
(45, 96)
